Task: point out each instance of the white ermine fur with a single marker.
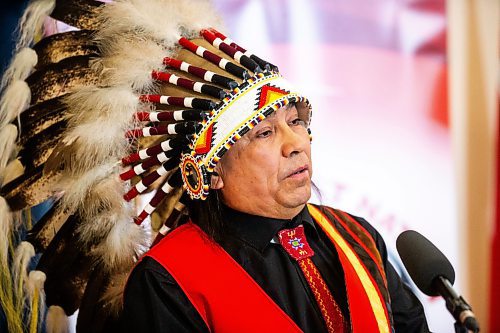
(20, 67)
(5, 231)
(22, 257)
(57, 321)
(36, 280)
(8, 136)
(31, 22)
(15, 99)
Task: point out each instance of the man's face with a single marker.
(268, 171)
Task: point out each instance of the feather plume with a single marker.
(77, 188)
(31, 22)
(125, 63)
(103, 203)
(124, 244)
(152, 18)
(20, 67)
(37, 149)
(36, 279)
(39, 117)
(57, 321)
(102, 298)
(96, 130)
(15, 99)
(68, 266)
(8, 136)
(157, 19)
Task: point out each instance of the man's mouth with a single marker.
(299, 171)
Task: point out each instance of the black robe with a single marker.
(153, 301)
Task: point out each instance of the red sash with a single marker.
(229, 300)
(225, 296)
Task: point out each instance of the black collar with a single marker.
(258, 231)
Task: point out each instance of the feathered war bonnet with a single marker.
(143, 96)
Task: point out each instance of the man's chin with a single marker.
(297, 198)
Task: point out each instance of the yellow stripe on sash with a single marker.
(370, 289)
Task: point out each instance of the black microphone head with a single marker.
(423, 261)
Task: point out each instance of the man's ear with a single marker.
(216, 182)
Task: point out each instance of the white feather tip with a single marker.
(15, 99)
(57, 321)
(20, 67)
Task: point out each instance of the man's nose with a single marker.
(293, 142)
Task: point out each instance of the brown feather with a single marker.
(59, 46)
(39, 147)
(44, 230)
(39, 117)
(30, 189)
(67, 266)
(58, 79)
(80, 13)
(99, 310)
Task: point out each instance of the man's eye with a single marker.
(297, 121)
(264, 134)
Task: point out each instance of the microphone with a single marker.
(434, 275)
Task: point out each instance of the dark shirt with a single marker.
(154, 302)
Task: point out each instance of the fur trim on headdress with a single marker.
(21, 66)
(16, 99)
(8, 136)
(31, 23)
(57, 321)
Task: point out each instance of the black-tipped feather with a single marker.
(38, 148)
(39, 117)
(94, 315)
(46, 228)
(29, 189)
(79, 13)
(58, 79)
(67, 267)
(64, 45)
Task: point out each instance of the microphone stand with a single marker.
(458, 307)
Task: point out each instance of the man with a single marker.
(244, 252)
(263, 183)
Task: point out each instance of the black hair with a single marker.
(207, 214)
